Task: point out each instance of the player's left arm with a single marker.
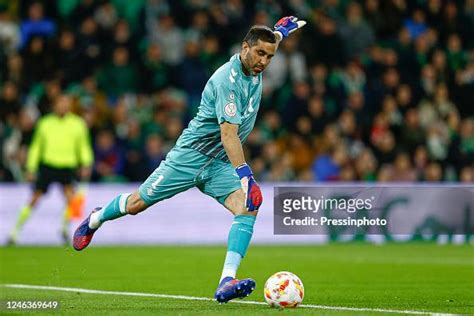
(232, 145)
(233, 148)
(287, 25)
(86, 156)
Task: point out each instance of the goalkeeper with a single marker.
(208, 155)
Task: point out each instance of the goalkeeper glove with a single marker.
(253, 194)
(287, 25)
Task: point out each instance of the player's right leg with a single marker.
(23, 216)
(44, 178)
(174, 175)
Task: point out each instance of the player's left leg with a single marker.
(67, 178)
(240, 232)
(224, 185)
(238, 241)
(68, 191)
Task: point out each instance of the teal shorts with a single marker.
(185, 168)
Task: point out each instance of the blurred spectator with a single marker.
(9, 103)
(14, 71)
(353, 79)
(412, 134)
(457, 58)
(297, 104)
(106, 17)
(153, 11)
(168, 35)
(324, 45)
(154, 69)
(68, 58)
(109, 158)
(192, 75)
(121, 37)
(84, 10)
(200, 26)
(467, 140)
(384, 148)
(38, 61)
(416, 23)
(328, 167)
(287, 64)
(366, 166)
(90, 46)
(356, 32)
(317, 114)
(48, 98)
(134, 170)
(402, 170)
(211, 53)
(375, 90)
(120, 76)
(433, 173)
(36, 24)
(9, 32)
(154, 152)
(467, 175)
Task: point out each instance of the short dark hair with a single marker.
(260, 32)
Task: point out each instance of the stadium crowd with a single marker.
(372, 90)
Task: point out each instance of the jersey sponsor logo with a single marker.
(154, 185)
(230, 109)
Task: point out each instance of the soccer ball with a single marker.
(283, 289)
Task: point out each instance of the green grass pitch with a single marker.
(406, 277)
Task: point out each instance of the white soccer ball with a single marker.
(284, 289)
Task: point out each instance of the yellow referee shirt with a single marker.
(60, 142)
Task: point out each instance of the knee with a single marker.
(135, 204)
(236, 204)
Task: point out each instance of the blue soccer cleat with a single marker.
(83, 234)
(231, 288)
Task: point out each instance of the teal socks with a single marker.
(115, 209)
(238, 242)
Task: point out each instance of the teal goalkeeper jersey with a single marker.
(229, 96)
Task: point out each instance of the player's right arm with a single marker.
(34, 150)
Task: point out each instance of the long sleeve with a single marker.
(85, 150)
(34, 150)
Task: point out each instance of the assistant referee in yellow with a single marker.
(60, 149)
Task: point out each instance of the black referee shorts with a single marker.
(47, 175)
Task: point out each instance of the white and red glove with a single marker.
(287, 25)
(253, 194)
